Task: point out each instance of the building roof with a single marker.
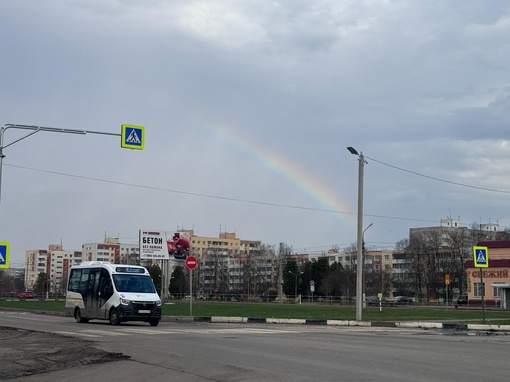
(495, 244)
(496, 263)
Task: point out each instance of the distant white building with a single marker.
(36, 262)
(112, 251)
(489, 227)
(56, 262)
(450, 222)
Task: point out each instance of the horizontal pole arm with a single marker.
(56, 130)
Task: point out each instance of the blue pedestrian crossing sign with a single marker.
(132, 136)
(4, 254)
(481, 257)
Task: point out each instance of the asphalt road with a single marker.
(197, 352)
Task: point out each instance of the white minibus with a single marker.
(114, 292)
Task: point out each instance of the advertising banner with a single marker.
(163, 245)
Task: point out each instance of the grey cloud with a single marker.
(416, 84)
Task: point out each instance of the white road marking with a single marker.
(77, 334)
(97, 333)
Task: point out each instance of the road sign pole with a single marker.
(481, 260)
(483, 295)
(191, 292)
(447, 285)
(447, 296)
(191, 263)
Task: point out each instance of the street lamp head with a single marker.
(368, 226)
(352, 150)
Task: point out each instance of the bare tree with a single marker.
(418, 264)
(349, 279)
(461, 245)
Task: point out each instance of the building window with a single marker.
(479, 289)
(498, 292)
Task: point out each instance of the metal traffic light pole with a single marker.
(35, 129)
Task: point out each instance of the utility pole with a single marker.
(280, 274)
(359, 257)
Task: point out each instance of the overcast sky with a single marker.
(248, 108)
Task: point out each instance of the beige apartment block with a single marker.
(230, 264)
(55, 262)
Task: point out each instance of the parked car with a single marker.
(462, 299)
(403, 300)
(374, 300)
(26, 295)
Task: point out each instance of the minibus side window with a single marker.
(106, 285)
(74, 280)
(84, 281)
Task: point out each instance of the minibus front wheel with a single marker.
(77, 316)
(114, 317)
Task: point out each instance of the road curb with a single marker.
(504, 328)
(352, 323)
(419, 325)
(302, 321)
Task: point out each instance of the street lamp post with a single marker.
(296, 275)
(364, 270)
(359, 258)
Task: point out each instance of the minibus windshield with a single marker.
(133, 283)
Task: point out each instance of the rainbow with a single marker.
(315, 189)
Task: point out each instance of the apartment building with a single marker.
(108, 251)
(228, 264)
(36, 262)
(451, 232)
(55, 262)
(226, 243)
(112, 251)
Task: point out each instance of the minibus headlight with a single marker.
(158, 303)
(123, 301)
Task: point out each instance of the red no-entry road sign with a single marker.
(191, 262)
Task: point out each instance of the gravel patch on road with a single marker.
(27, 352)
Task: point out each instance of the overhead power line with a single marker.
(439, 179)
(197, 194)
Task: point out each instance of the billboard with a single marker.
(164, 245)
